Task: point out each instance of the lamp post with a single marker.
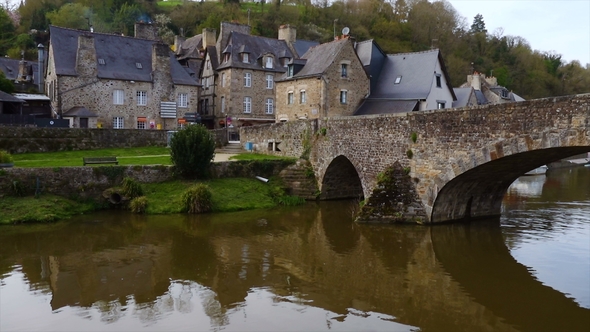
(335, 20)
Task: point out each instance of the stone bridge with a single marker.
(431, 166)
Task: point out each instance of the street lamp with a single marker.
(336, 20)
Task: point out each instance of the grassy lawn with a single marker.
(151, 155)
(46, 208)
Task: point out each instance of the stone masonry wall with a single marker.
(23, 140)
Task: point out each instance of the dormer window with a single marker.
(138, 65)
(101, 61)
(245, 57)
(269, 62)
(398, 80)
(504, 93)
(226, 57)
(290, 71)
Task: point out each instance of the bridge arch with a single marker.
(341, 180)
(478, 192)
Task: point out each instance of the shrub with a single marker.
(138, 204)
(197, 199)
(414, 136)
(191, 150)
(410, 154)
(131, 188)
(5, 157)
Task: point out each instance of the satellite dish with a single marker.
(345, 31)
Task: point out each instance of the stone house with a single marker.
(404, 82)
(482, 90)
(112, 81)
(328, 80)
(238, 73)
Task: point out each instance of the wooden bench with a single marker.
(100, 160)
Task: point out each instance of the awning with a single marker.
(141, 119)
(181, 121)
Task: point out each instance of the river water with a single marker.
(307, 268)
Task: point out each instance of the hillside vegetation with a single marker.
(397, 26)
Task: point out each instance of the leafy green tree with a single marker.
(124, 19)
(5, 84)
(6, 32)
(191, 150)
(72, 15)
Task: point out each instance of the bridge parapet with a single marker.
(460, 161)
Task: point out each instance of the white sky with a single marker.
(560, 26)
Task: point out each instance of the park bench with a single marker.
(100, 160)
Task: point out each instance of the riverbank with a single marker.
(228, 194)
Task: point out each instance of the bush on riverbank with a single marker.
(197, 199)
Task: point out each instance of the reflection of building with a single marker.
(82, 278)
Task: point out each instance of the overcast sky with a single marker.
(561, 26)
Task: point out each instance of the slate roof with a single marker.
(463, 95)
(257, 47)
(302, 46)
(372, 58)
(416, 71)
(317, 59)
(190, 48)
(7, 97)
(10, 68)
(120, 54)
(377, 106)
(80, 112)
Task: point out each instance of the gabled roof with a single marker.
(318, 59)
(257, 46)
(463, 95)
(120, 55)
(416, 71)
(190, 48)
(80, 112)
(372, 58)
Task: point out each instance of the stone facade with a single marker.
(460, 161)
(86, 88)
(322, 92)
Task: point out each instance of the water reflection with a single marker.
(306, 268)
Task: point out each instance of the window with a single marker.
(208, 64)
(269, 81)
(344, 70)
(440, 105)
(223, 79)
(504, 94)
(222, 104)
(101, 61)
(438, 81)
(207, 80)
(141, 98)
(290, 71)
(226, 57)
(302, 97)
(118, 97)
(247, 104)
(269, 62)
(118, 122)
(398, 80)
(182, 100)
(138, 65)
(245, 57)
(269, 106)
(343, 96)
(247, 80)
(290, 98)
(141, 123)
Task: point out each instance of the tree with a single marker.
(478, 24)
(6, 32)
(72, 15)
(5, 84)
(191, 150)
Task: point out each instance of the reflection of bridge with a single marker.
(432, 166)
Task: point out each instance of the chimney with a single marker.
(475, 81)
(40, 68)
(22, 71)
(287, 33)
(146, 31)
(225, 30)
(178, 41)
(161, 74)
(86, 56)
(208, 37)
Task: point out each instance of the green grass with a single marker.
(47, 208)
(127, 156)
(231, 194)
(257, 156)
